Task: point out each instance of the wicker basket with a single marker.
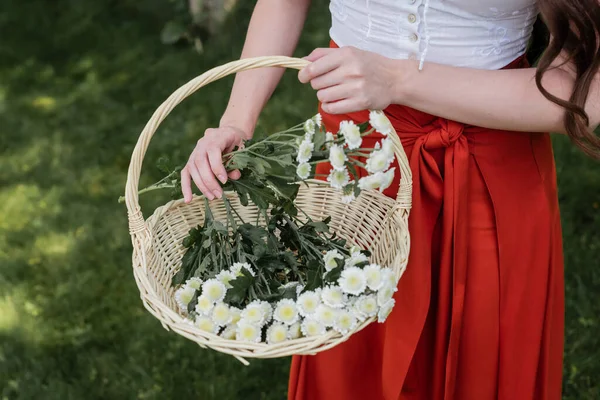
(373, 221)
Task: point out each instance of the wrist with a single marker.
(246, 126)
(405, 81)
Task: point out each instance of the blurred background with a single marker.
(78, 81)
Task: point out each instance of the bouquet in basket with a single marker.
(281, 275)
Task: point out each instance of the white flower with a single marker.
(333, 296)
(337, 157)
(351, 134)
(325, 314)
(370, 182)
(330, 259)
(254, 313)
(299, 289)
(206, 324)
(373, 274)
(214, 289)
(378, 161)
(221, 314)
(385, 293)
(248, 331)
(355, 259)
(366, 305)
(295, 332)
(305, 151)
(312, 327)
(236, 268)
(308, 302)
(236, 314)
(204, 305)
(344, 322)
(286, 311)
(268, 309)
(303, 170)
(388, 147)
(329, 140)
(380, 122)
(385, 310)
(277, 333)
(338, 178)
(183, 296)
(318, 119)
(354, 250)
(348, 198)
(353, 281)
(229, 332)
(225, 277)
(194, 282)
(386, 179)
(387, 275)
(309, 127)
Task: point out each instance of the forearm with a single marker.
(497, 99)
(274, 29)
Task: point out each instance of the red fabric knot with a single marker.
(444, 135)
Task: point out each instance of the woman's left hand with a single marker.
(348, 79)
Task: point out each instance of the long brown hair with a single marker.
(574, 27)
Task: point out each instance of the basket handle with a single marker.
(135, 216)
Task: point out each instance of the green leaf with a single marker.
(333, 275)
(239, 290)
(314, 276)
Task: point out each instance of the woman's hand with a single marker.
(205, 164)
(348, 79)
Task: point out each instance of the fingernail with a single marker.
(222, 178)
(217, 193)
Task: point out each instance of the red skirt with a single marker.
(480, 309)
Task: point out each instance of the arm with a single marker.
(274, 30)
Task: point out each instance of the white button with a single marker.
(412, 18)
(413, 37)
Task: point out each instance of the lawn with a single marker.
(78, 81)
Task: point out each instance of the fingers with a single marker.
(343, 106)
(318, 53)
(216, 164)
(235, 174)
(186, 184)
(208, 177)
(334, 93)
(329, 79)
(326, 63)
(193, 169)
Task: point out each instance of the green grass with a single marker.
(78, 81)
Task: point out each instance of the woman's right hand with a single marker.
(205, 164)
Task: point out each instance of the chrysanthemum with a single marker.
(333, 296)
(355, 259)
(337, 157)
(221, 314)
(308, 302)
(369, 182)
(345, 321)
(388, 147)
(248, 331)
(351, 134)
(295, 332)
(385, 293)
(268, 309)
(354, 250)
(329, 140)
(309, 127)
(330, 259)
(229, 332)
(206, 324)
(353, 281)
(236, 314)
(214, 289)
(236, 268)
(303, 170)
(387, 178)
(318, 119)
(380, 122)
(325, 314)
(312, 327)
(373, 274)
(254, 313)
(183, 296)
(348, 198)
(277, 333)
(338, 178)
(286, 311)
(204, 305)
(387, 275)
(385, 310)
(225, 277)
(305, 151)
(366, 305)
(378, 161)
(194, 282)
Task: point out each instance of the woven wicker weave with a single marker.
(373, 221)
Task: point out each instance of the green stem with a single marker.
(150, 189)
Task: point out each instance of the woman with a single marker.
(480, 306)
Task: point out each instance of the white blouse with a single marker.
(486, 34)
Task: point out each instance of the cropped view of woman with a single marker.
(480, 308)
